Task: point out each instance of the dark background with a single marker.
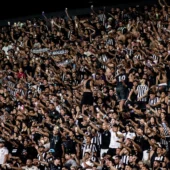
(16, 9)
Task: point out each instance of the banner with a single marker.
(42, 50)
(56, 52)
(59, 52)
(64, 63)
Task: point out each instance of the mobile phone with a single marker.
(97, 109)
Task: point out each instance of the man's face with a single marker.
(104, 126)
(134, 158)
(115, 129)
(85, 77)
(29, 163)
(73, 74)
(45, 82)
(156, 164)
(55, 131)
(159, 150)
(88, 139)
(67, 156)
(140, 164)
(51, 106)
(111, 92)
(56, 162)
(46, 139)
(118, 151)
(35, 162)
(41, 149)
(116, 160)
(152, 96)
(71, 121)
(128, 167)
(86, 155)
(139, 131)
(153, 141)
(1, 145)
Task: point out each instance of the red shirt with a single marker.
(20, 75)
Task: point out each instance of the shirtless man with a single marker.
(87, 98)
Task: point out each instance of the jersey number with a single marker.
(122, 78)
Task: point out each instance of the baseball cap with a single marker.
(2, 141)
(109, 26)
(51, 151)
(116, 156)
(24, 151)
(87, 151)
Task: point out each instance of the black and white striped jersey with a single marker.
(118, 166)
(125, 159)
(122, 29)
(141, 90)
(164, 142)
(155, 58)
(101, 17)
(109, 41)
(103, 58)
(153, 101)
(166, 130)
(91, 147)
(96, 140)
(138, 57)
(129, 51)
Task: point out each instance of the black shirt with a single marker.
(54, 167)
(142, 143)
(168, 72)
(105, 138)
(120, 78)
(69, 146)
(55, 143)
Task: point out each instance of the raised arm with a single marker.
(166, 3)
(66, 11)
(78, 86)
(54, 23)
(92, 9)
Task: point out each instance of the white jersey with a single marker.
(113, 140)
(30, 168)
(3, 152)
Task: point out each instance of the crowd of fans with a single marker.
(87, 92)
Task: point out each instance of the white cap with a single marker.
(109, 26)
(2, 141)
(88, 151)
(129, 135)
